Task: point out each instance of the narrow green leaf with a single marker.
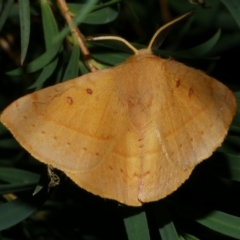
(203, 48)
(50, 31)
(231, 145)
(16, 187)
(50, 28)
(238, 101)
(234, 8)
(106, 4)
(236, 119)
(84, 11)
(3, 129)
(4, 12)
(19, 209)
(223, 223)
(24, 14)
(218, 221)
(72, 67)
(187, 236)
(100, 16)
(110, 58)
(77, 20)
(166, 227)
(233, 167)
(136, 226)
(60, 71)
(39, 62)
(14, 175)
(9, 143)
(232, 162)
(237, 94)
(76, 7)
(110, 45)
(45, 74)
(83, 68)
(235, 128)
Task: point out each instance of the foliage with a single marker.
(34, 33)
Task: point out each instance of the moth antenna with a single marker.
(161, 29)
(115, 38)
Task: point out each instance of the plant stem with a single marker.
(76, 34)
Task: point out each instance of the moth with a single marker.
(133, 133)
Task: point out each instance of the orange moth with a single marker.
(133, 133)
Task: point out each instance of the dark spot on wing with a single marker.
(69, 100)
(89, 91)
(146, 173)
(190, 93)
(177, 83)
(136, 175)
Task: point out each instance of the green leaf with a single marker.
(39, 62)
(3, 129)
(4, 12)
(24, 14)
(231, 145)
(218, 221)
(100, 16)
(237, 94)
(72, 67)
(9, 143)
(166, 227)
(236, 119)
(14, 175)
(78, 19)
(136, 225)
(224, 159)
(50, 28)
(83, 68)
(222, 222)
(234, 8)
(203, 48)
(45, 74)
(187, 236)
(60, 71)
(106, 4)
(110, 58)
(19, 209)
(16, 187)
(19, 180)
(50, 31)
